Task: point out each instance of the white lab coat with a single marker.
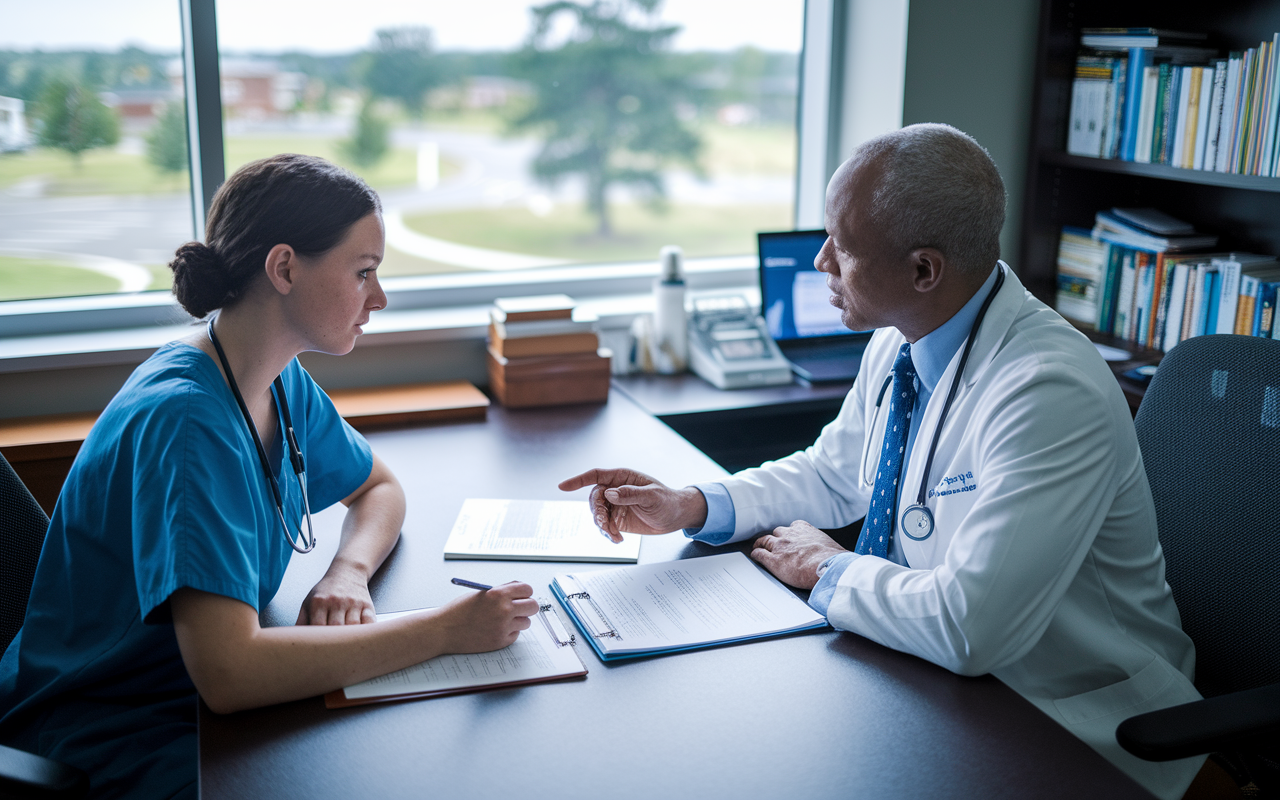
(1044, 568)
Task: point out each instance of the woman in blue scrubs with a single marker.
(168, 538)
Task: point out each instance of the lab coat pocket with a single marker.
(1127, 697)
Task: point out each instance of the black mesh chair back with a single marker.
(1209, 429)
(22, 529)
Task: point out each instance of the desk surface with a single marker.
(818, 715)
(663, 395)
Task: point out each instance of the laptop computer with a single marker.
(794, 299)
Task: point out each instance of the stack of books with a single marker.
(544, 352)
(1153, 96)
(1138, 282)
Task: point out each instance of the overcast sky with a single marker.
(339, 26)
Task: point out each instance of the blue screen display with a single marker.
(794, 296)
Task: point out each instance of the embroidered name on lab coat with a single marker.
(962, 482)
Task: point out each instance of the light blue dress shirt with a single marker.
(930, 355)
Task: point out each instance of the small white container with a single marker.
(671, 328)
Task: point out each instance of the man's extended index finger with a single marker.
(588, 478)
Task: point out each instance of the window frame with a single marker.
(817, 111)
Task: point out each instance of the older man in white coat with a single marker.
(1009, 524)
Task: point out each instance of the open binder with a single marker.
(543, 652)
(652, 609)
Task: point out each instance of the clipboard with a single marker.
(546, 641)
(612, 641)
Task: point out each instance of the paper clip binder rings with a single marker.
(593, 619)
(551, 621)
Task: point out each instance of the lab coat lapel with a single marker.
(1004, 309)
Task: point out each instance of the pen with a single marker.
(471, 584)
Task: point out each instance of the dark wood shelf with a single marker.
(1162, 172)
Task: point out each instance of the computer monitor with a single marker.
(794, 297)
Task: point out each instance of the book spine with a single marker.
(1124, 299)
(1212, 296)
(1247, 70)
(1146, 119)
(1205, 86)
(1269, 146)
(1159, 303)
(1132, 102)
(1195, 303)
(1192, 76)
(1261, 91)
(1179, 93)
(1176, 305)
(1228, 296)
(1215, 116)
(1267, 309)
(1230, 108)
(1247, 305)
(1160, 120)
(1110, 285)
(1076, 126)
(1115, 118)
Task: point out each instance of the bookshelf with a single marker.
(1062, 189)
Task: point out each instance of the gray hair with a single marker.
(938, 188)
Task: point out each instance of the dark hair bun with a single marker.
(199, 279)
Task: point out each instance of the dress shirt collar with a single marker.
(932, 353)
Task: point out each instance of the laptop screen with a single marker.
(793, 295)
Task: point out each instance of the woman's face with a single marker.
(335, 293)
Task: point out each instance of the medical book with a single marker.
(543, 652)
(534, 530)
(673, 606)
(1149, 96)
(1157, 298)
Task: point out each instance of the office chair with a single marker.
(22, 529)
(1209, 430)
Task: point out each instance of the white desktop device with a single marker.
(730, 347)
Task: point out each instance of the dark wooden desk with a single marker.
(737, 428)
(819, 715)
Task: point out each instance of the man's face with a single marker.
(870, 284)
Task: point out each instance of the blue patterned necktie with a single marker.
(877, 531)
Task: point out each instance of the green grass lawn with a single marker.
(99, 172)
(569, 233)
(109, 172)
(399, 167)
(755, 150)
(31, 278)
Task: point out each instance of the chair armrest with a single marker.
(1229, 722)
(27, 775)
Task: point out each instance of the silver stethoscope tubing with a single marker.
(917, 520)
(295, 452)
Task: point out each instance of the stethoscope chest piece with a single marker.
(917, 523)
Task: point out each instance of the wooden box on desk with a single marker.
(550, 380)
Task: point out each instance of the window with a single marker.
(474, 168)
(497, 145)
(94, 180)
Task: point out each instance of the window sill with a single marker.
(126, 330)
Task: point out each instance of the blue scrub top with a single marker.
(167, 492)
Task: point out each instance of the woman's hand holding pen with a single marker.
(626, 500)
(487, 620)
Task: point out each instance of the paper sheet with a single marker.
(534, 530)
(534, 656)
(682, 603)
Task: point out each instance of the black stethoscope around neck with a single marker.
(295, 452)
(917, 520)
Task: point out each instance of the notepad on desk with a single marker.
(543, 652)
(534, 530)
(651, 609)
